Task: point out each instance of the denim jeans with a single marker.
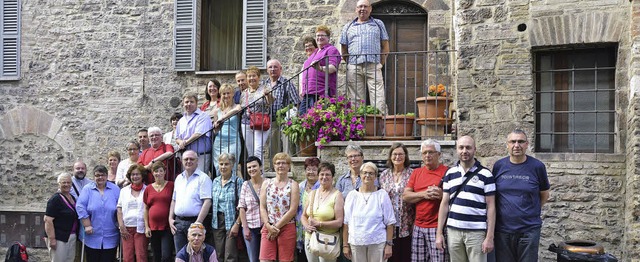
(253, 246)
(162, 245)
(307, 103)
(180, 237)
(520, 247)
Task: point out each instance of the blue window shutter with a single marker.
(186, 37)
(254, 30)
(10, 33)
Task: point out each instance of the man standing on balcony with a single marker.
(365, 45)
(193, 131)
(284, 94)
(522, 188)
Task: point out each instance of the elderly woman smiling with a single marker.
(61, 222)
(368, 220)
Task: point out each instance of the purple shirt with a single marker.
(313, 81)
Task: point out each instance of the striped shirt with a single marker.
(469, 210)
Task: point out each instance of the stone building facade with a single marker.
(93, 72)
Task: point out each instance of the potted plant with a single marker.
(399, 126)
(373, 119)
(436, 104)
(329, 119)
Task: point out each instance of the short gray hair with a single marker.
(227, 156)
(63, 175)
(154, 129)
(430, 142)
(370, 165)
(353, 148)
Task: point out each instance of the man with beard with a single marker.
(79, 180)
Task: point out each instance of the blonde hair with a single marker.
(324, 28)
(225, 88)
(253, 69)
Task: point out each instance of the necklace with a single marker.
(366, 199)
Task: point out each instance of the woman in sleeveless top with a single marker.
(228, 137)
(324, 211)
(279, 199)
(61, 222)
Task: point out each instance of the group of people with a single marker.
(433, 213)
(155, 196)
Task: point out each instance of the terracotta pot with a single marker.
(398, 125)
(374, 125)
(308, 148)
(434, 106)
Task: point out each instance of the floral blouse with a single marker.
(404, 212)
(278, 201)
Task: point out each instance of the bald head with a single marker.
(363, 10)
(466, 149)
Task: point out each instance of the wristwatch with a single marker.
(389, 242)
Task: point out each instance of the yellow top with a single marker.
(323, 211)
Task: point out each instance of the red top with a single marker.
(159, 204)
(426, 210)
(151, 153)
(206, 104)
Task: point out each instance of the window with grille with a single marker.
(575, 100)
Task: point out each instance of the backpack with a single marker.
(17, 253)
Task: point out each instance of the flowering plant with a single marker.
(329, 119)
(439, 90)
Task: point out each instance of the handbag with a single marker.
(258, 120)
(322, 244)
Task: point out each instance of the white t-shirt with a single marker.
(132, 208)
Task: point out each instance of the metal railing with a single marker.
(403, 81)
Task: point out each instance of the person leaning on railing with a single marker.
(158, 152)
(193, 131)
(257, 100)
(227, 123)
(324, 60)
(212, 94)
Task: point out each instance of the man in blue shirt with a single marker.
(365, 44)
(522, 188)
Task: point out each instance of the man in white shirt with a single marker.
(191, 198)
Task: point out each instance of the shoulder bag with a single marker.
(322, 244)
(258, 120)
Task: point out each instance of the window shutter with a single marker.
(185, 52)
(10, 40)
(254, 31)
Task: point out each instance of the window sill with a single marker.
(217, 72)
(585, 157)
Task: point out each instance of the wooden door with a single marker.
(405, 73)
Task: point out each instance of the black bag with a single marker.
(17, 253)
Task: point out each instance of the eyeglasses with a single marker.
(517, 141)
(99, 175)
(367, 173)
(426, 153)
(189, 159)
(312, 170)
(354, 156)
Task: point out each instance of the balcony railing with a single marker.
(404, 80)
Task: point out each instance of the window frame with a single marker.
(10, 30)
(568, 144)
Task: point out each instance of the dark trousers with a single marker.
(100, 255)
(401, 249)
(162, 245)
(180, 238)
(224, 244)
